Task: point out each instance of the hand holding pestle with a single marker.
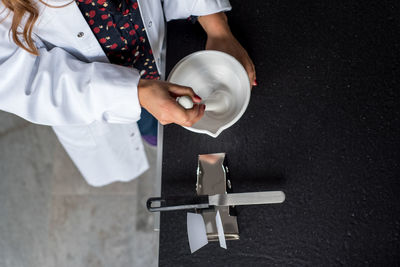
(217, 102)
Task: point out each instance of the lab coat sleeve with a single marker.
(57, 89)
(181, 9)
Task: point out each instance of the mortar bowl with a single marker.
(222, 83)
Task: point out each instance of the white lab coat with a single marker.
(91, 104)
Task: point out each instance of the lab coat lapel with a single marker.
(153, 20)
(66, 27)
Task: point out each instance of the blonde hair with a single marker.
(20, 8)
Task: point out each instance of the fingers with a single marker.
(254, 79)
(251, 72)
(188, 117)
(179, 90)
(191, 116)
(199, 115)
(175, 113)
(158, 98)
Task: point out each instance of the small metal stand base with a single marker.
(213, 178)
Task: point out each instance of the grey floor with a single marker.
(49, 215)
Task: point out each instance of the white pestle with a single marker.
(185, 101)
(217, 102)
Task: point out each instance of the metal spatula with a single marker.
(205, 201)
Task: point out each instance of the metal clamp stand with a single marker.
(213, 178)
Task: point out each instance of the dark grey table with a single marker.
(323, 126)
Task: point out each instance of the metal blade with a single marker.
(255, 198)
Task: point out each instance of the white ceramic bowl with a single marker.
(214, 75)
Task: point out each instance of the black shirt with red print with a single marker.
(118, 26)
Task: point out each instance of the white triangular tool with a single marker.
(220, 229)
(196, 230)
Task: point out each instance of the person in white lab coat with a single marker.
(56, 73)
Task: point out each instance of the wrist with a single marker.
(142, 87)
(215, 25)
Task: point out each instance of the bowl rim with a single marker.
(247, 97)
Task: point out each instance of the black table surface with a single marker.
(323, 126)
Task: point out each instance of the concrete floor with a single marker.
(49, 215)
